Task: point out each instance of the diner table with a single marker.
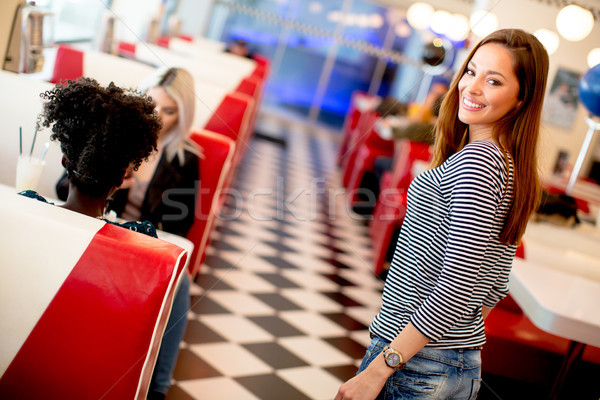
(557, 286)
(197, 44)
(205, 69)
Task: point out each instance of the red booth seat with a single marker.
(85, 303)
(350, 128)
(71, 63)
(391, 205)
(215, 169)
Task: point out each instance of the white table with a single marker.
(557, 287)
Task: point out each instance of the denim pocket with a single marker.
(375, 347)
(475, 389)
(422, 385)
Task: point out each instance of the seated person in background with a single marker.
(163, 191)
(85, 119)
(240, 48)
(417, 130)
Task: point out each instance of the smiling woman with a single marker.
(464, 219)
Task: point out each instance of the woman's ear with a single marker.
(63, 161)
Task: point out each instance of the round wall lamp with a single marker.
(548, 38)
(441, 22)
(460, 28)
(593, 57)
(483, 22)
(574, 23)
(419, 15)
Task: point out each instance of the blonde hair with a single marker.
(517, 131)
(178, 83)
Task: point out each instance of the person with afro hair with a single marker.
(103, 132)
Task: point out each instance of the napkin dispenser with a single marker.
(31, 32)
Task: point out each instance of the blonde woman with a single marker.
(163, 189)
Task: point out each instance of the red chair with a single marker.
(391, 205)
(68, 64)
(262, 60)
(253, 87)
(353, 116)
(91, 328)
(232, 118)
(214, 171)
(126, 49)
(163, 41)
(364, 128)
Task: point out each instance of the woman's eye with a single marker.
(470, 72)
(494, 82)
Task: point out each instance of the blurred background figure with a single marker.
(240, 48)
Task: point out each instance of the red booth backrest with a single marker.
(214, 170)
(85, 303)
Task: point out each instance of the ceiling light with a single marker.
(548, 38)
(459, 28)
(441, 22)
(593, 57)
(483, 22)
(574, 23)
(419, 15)
(403, 29)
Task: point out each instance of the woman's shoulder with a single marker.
(483, 151)
(483, 158)
(34, 195)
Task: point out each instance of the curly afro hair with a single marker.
(101, 130)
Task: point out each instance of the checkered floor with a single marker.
(281, 307)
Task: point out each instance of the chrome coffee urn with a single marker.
(31, 32)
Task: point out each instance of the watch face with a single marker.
(393, 360)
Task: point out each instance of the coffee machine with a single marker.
(31, 32)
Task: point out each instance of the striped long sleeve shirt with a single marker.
(449, 260)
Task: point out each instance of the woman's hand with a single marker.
(367, 384)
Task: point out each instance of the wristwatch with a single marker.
(393, 359)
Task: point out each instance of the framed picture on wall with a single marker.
(560, 106)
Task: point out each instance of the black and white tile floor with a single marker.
(281, 306)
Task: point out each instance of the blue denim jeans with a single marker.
(431, 374)
(173, 335)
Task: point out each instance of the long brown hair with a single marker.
(517, 132)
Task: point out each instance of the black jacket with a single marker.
(170, 201)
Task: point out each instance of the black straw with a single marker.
(33, 143)
(20, 141)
